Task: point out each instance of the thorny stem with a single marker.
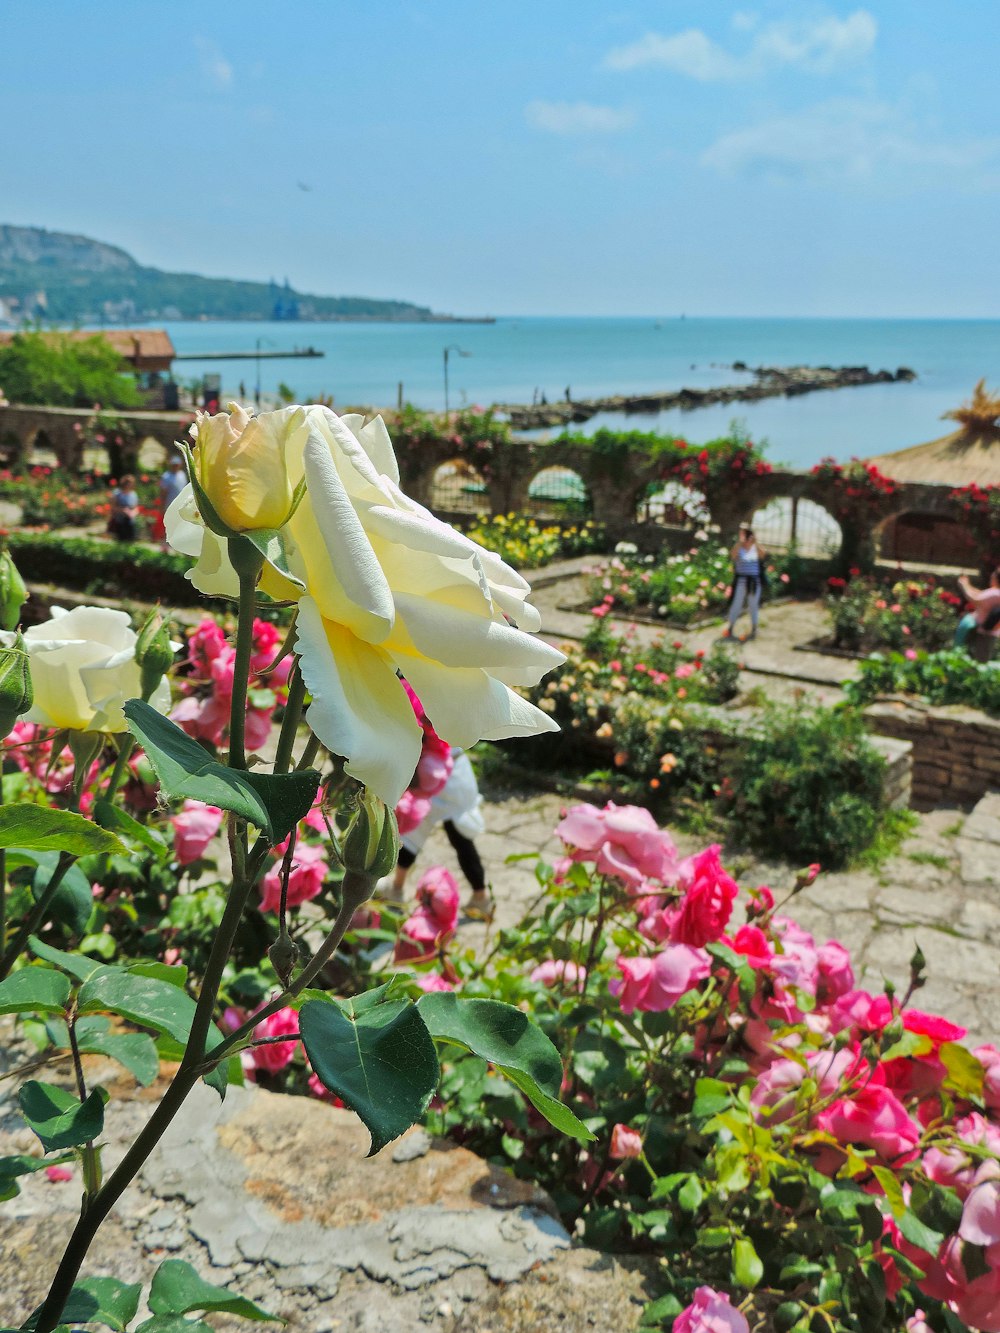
(241, 670)
(37, 914)
(290, 722)
(246, 866)
(91, 1168)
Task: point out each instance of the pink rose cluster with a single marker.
(206, 683)
(433, 921)
(808, 1033)
(433, 770)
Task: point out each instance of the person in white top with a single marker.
(748, 581)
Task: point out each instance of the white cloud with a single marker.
(214, 66)
(816, 46)
(578, 118)
(847, 139)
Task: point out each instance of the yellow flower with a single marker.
(241, 463)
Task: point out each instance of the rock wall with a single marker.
(956, 750)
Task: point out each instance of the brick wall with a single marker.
(956, 750)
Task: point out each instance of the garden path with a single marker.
(941, 890)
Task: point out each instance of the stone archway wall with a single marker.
(63, 428)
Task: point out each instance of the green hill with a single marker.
(58, 277)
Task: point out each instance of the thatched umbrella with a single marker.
(969, 454)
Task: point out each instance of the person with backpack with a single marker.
(748, 581)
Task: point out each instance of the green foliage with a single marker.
(60, 371)
(948, 677)
(117, 569)
(60, 1119)
(806, 784)
(40, 828)
(378, 1058)
(274, 802)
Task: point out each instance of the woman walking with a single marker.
(748, 581)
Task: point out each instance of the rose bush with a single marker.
(800, 1152)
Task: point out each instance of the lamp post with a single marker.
(257, 389)
(453, 347)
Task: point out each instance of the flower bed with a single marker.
(681, 589)
(801, 1153)
(527, 545)
(52, 497)
(105, 568)
(867, 614)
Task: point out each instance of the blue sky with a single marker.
(542, 157)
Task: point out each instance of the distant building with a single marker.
(147, 351)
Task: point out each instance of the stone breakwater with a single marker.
(768, 382)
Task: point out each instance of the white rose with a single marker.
(83, 669)
(384, 588)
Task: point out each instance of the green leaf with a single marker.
(656, 1312)
(34, 990)
(690, 1194)
(12, 1167)
(892, 1189)
(747, 1267)
(920, 1235)
(80, 1308)
(177, 1289)
(39, 828)
(711, 1096)
(270, 542)
(73, 903)
(273, 802)
(381, 1061)
(173, 1323)
(109, 816)
(135, 1050)
(965, 1072)
(117, 1302)
(148, 1001)
(58, 1118)
(508, 1039)
(73, 963)
(175, 974)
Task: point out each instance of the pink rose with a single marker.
(753, 944)
(204, 644)
(430, 982)
(305, 878)
(623, 841)
(917, 1323)
(873, 1117)
(980, 1224)
(266, 642)
(438, 892)
(194, 829)
(276, 1055)
(989, 1058)
(657, 983)
(556, 970)
(58, 1174)
(707, 905)
(433, 923)
(257, 729)
(836, 976)
(710, 1312)
(625, 1142)
(411, 811)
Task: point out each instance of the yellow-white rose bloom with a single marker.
(240, 463)
(83, 669)
(384, 586)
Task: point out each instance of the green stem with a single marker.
(91, 1167)
(37, 914)
(290, 722)
(3, 879)
(121, 767)
(241, 666)
(350, 904)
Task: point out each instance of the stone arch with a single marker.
(672, 504)
(791, 521)
(924, 537)
(458, 488)
(558, 492)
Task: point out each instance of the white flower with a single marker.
(383, 587)
(83, 669)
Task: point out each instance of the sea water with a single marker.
(510, 360)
